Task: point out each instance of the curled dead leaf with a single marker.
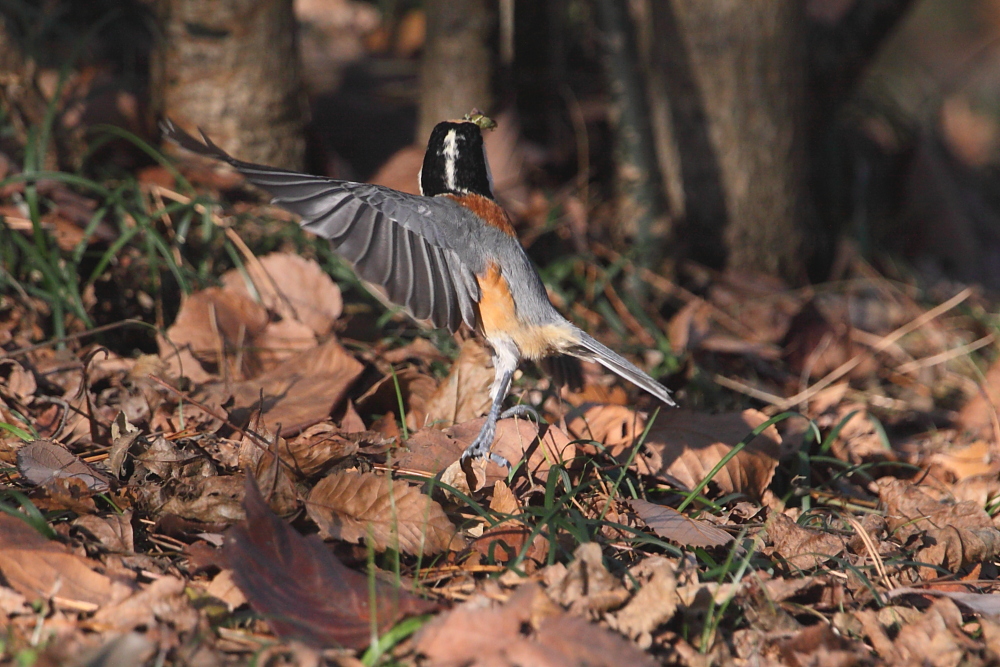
(389, 513)
(952, 535)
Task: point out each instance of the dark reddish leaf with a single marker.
(301, 589)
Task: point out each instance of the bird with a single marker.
(449, 255)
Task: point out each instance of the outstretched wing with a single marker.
(411, 246)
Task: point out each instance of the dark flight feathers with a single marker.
(416, 248)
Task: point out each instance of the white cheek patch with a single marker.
(450, 153)
(420, 179)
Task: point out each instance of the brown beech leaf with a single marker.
(935, 638)
(684, 447)
(292, 286)
(615, 426)
(952, 535)
(298, 393)
(526, 630)
(300, 587)
(391, 513)
(215, 322)
(43, 461)
(465, 393)
(42, 569)
(430, 450)
(670, 524)
(803, 548)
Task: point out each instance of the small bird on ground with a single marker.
(449, 255)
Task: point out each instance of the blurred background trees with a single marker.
(770, 138)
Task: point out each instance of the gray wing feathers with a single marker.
(405, 244)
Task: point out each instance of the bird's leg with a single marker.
(505, 360)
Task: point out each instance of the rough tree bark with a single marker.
(456, 73)
(231, 67)
(640, 207)
(735, 82)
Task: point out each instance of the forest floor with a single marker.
(275, 480)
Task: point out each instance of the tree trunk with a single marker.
(640, 207)
(456, 74)
(735, 77)
(231, 68)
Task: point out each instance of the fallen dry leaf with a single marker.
(44, 461)
(670, 524)
(298, 393)
(389, 513)
(42, 569)
(585, 585)
(207, 499)
(985, 604)
(935, 639)
(949, 536)
(293, 287)
(114, 533)
(223, 587)
(504, 541)
(979, 414)
(653, 604)
(382, 398)
(465, 393)
(317, 448)
(684, 447)
(213, 324)
(976, 458)
(301, 589)
(615, 426)
(163, 600)
(803, 548)
(431, 451)
(522, 631)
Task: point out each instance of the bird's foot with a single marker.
(522, 410)
(480, 447)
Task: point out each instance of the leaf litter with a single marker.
(266, 480)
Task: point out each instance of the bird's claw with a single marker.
(480, 449)
(522, 410)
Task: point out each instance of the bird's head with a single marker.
(455, 161)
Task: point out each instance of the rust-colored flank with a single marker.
(487, 209)
(498, 320)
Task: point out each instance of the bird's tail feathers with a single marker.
(591, 350)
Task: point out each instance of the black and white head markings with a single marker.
(455, 161)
